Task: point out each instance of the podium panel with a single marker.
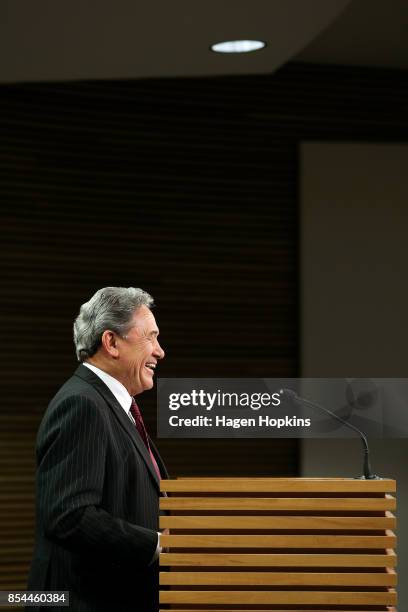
(278, 545)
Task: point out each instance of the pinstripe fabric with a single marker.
(97, 502)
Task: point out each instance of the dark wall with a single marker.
(187, 188)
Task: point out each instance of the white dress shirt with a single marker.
(118, 390)
(125, 400)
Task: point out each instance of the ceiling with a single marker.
(53, 40)
(367, 33)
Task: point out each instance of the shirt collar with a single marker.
(116, 387)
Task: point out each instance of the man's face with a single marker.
(139, 352)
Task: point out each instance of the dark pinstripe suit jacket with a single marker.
(97, 502)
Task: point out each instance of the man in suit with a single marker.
(98, 472)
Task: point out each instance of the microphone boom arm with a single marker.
(368, 475)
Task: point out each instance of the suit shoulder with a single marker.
(76, 397)
(76, 387)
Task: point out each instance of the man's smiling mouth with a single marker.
(151, 366)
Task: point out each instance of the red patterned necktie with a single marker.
(136, 414)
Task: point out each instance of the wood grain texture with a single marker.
(277, 485)
(323, 533)
(277, 541)
(279, 560)
(356, 598)
(329, 523)
(279, 578)
(276, 503)
(321, 609)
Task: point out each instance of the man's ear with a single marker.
(109, 342)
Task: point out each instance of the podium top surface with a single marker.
(277, 485)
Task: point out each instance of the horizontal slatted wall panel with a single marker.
(186, 188)
(16, 496)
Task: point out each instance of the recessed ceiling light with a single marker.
(238, 46)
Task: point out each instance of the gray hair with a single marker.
(109, 308)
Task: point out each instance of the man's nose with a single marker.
(158, 351)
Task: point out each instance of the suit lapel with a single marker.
(94, 380)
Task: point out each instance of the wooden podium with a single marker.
(281, 544)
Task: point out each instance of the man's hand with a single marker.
(164, 532)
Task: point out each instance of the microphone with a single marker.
(368, 475)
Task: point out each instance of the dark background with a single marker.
(187, 188)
